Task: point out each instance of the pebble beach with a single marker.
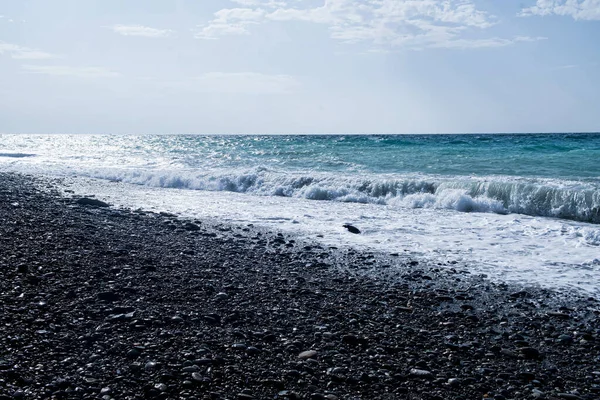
(98, 302)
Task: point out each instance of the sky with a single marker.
(299, 66)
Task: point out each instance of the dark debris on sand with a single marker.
(98, 303)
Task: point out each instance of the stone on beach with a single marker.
(87, 201)
(351, 228)
(305, 355)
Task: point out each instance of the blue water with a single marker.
(549, 175)
(568, 156)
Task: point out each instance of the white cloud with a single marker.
(385, 24)
(23, 53)
(486, 43)
(140, 30)
(63, 70)
(231, 21)
(577, 9)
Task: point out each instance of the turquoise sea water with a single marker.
(568, 156)
(553, 175)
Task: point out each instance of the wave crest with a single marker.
(497, 195)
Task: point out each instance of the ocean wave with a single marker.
(571, 200)
(494, 194)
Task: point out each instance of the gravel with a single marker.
(101, 303)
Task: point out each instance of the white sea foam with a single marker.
(502, 195)
(452, 199)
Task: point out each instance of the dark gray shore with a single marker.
(100, 303)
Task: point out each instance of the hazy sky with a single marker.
(307, 66)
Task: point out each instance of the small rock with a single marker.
(150, 365)
(19, 394)
(305, 355)
(108, 296)
(454, 382)
(161, 387)
(421, 373)
(197, 377)
(509, 353)
(221, 296)
(566, 339)
(189, 226)
(86, 201)
(568, 396)
(559, 315)
(350, 339)
(134, 353)
(253, 351)
(530, 353)
(351, 229)
(537, 393)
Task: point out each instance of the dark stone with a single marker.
(351, 229)
(568, 396)
(134, 353)
(350, 339)
(560, 315)
(109, 296)
(189, 226)
(421, 373)
(253, 351)
(530, 353)
(86, 201)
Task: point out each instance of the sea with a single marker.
(521, 208)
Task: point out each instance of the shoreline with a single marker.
(107, 303)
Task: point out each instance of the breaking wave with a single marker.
(546, 198)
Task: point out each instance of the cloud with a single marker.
(63, 70)
(383, 24)
(23, 53)
(577, 9)
(140, 30)
(487, 43)
(231, 21)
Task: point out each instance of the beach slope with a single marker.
(97, 302)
